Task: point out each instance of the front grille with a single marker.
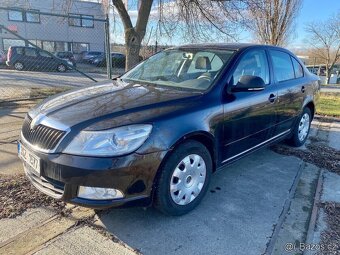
(46, 185)
(43, 137)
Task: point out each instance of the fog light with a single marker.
(99, 193)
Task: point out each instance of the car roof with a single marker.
(225, 46)
(23, 47)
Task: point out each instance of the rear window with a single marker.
(283, 67)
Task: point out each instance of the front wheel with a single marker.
(301, 129)
(184, 179)
(61, 68)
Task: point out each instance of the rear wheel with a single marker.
(19, 66)
(61, 68)
(184, 179)
(301, 129)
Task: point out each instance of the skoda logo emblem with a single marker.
(36, 120)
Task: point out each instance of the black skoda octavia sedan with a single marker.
(155, 135)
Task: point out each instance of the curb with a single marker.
(315, 211)
(285, 209)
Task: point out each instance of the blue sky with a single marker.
(312, 10)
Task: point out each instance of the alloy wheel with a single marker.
(61, 68)
(18, 66)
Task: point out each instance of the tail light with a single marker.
(9, 53)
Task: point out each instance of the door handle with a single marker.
(303, 89)
(272, 98)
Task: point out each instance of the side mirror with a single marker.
(249, 83)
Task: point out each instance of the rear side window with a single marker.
(282, 64)
(297, 68)
(30, 52)
(19, 51)
(44, 54)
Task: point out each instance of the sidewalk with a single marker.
(325, 230)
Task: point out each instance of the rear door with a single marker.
(30, 58)
(291, 88)
(249, 117)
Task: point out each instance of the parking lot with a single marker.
(19, 85)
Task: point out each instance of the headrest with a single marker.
(203, 63)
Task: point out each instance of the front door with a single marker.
(249, 117)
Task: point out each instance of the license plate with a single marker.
(29, 158)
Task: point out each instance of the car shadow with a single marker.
(237, 216)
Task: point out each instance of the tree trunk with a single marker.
(328, 76)
(133, 45)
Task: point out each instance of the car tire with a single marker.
(190, 164)
(19, 66)
(301, 128)
(61, 68)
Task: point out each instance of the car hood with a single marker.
(105, 103)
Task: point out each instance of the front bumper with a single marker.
(62, 174)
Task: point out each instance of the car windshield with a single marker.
(189, 68)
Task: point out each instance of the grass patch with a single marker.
(46, 92)
(329, 104)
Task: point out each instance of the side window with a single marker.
(252, 63)
(44, 54)
(297, 68)
(282, 65)
(20, 51)
(30, 52)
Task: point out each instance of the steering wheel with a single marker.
(205, 76)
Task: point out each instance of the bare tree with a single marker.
(271, 21)
(197, 20)
(324, 41)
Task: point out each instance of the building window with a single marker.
(12, 42)
(87, 21)
(79, 47)
(60, 46)
(33, 16)
(74, 20)
(48, 46)
(79, 20)
(16, 15)
(36, 42)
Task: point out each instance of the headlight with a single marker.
(113, 142)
